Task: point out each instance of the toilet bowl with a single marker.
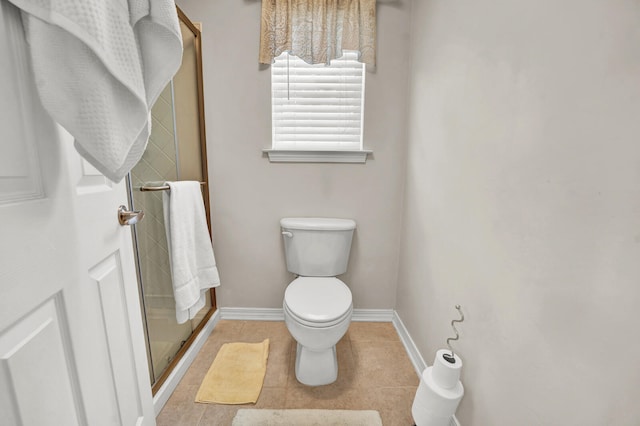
(317, 313)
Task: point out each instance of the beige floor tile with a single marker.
(185, 392)
(393, 404)
(271, 398)
(374, 373)
(324, 397)
(229, 330)
(198, 369)
(257, 331)
(187, 416)
(225, 331)
(373, 332)
(181, 408)
(382, 364)
(278, 363)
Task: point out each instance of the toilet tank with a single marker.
(317, 247)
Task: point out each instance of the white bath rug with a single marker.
(256, 417)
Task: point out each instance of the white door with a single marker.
(71, 340)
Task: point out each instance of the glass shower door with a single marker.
(175, 151)
(158, 164)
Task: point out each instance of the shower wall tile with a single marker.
(162, 109)
(158, 164)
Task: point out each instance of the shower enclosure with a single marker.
(175, 151)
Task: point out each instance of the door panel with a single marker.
(42, 331)
(108, 277)
(91, 180)
(20, 177)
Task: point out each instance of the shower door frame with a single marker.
(157, 384)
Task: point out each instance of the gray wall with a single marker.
(249, 195)
(523, 205)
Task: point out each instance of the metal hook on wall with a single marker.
(451, 358)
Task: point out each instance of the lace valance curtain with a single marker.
(317, 31)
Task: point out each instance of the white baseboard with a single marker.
(162, 396)
(412, 350)
(373, 315)
(252, 314)
(276, 314)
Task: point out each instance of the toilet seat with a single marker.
(318, 324)
(318, 301)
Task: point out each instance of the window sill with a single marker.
(299, 156)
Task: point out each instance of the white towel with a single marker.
(99, 66)
(193, 265)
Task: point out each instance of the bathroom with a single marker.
(503, 178)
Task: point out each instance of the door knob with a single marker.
(129, 217)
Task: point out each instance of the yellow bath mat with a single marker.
(236, 375)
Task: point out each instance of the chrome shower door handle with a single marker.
(129, 217)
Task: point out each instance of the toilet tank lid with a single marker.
(318, 223)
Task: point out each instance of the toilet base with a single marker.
(316, 367)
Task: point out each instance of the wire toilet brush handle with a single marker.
(451, 358)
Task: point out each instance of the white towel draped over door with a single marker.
(99, 66)
(193, 265)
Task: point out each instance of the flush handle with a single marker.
(129, 217)
(287, 234)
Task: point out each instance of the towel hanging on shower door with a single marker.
(193, 264)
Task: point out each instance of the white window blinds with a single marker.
(317, 107)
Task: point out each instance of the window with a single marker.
(317, 110)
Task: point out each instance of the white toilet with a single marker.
(317, 305)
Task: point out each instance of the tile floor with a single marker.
(375, 373)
